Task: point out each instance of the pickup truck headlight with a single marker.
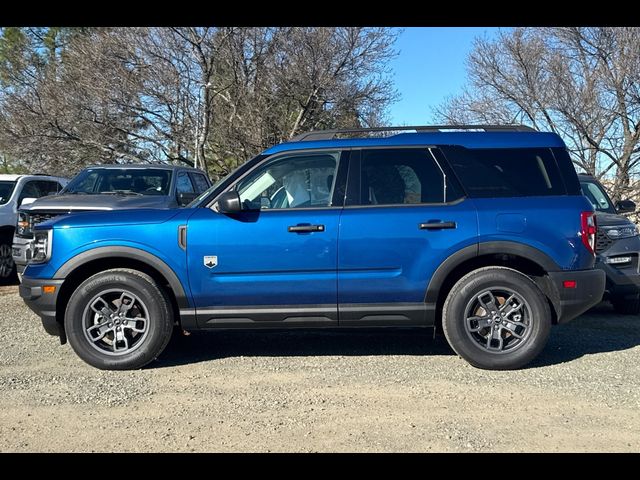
(42, 244)
(622, 231)
(23, 226)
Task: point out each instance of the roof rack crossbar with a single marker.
(331, 134)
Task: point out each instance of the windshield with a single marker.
(597, 196)
(126, 181)
(6, 189)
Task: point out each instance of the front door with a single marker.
(408, 214)
(275, 263)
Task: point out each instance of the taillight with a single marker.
(588, 229)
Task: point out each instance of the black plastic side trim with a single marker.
(445, 268)
(391, 314)
(127, 252)
(522, 250)
(261, 316)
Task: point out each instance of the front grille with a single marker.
(602, 241)
(37, 218)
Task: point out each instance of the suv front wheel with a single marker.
(118, 320)
(496, 318)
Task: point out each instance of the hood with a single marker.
(607, 219)
(114, 218)
(74, 203)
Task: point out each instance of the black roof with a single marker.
(585, 176)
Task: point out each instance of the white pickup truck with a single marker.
(16, 190)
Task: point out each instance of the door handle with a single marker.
(437, 225)
(306, 228)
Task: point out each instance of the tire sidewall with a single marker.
(160, 324)
(470, 286)
(6, 239)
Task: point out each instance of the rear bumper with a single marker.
(43, 304)
(588, 291)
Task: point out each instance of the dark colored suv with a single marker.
(483, 227)
(617, 247)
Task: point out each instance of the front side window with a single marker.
(6, 189)
(127, 181)
(184, 184)
(403, 176)
(200, 182)
(295, 181)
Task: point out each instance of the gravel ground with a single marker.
(295, 391)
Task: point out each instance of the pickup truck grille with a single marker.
(37, 218)
(602, 241)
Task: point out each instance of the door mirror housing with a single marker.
(27, 201)
(229, 202)
(185, 198)
(625, 206)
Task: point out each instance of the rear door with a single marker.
(405, 215)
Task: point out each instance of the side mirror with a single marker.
(625, 206)
(229, 202)
(27, 201)
(185, 198)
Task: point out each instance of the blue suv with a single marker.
(483, 230)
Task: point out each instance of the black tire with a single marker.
(626, 306)
(8, 274)
(145, 340)
(463, 303)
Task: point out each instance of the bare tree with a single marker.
(212, 97)
(582, 83)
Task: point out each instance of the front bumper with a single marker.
(623, 280)
(588, 291)
(43, 304)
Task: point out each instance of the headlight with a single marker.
(622, 231)
(23, 227)
(42, 244)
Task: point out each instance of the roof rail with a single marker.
(331, 134)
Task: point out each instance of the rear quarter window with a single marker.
(507, 172)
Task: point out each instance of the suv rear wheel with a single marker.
(496, 318)
(118, 320)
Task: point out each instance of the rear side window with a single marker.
(568, 171)
(403, 176)
(507, 172)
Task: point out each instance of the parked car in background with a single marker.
(14, 191)
(617, 247)
(484, 227)
(110, 187)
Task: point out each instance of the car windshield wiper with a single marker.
(74, 192)
(121, 192)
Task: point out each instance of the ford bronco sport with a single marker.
(483, 227)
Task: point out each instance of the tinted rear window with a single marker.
(507, 172)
